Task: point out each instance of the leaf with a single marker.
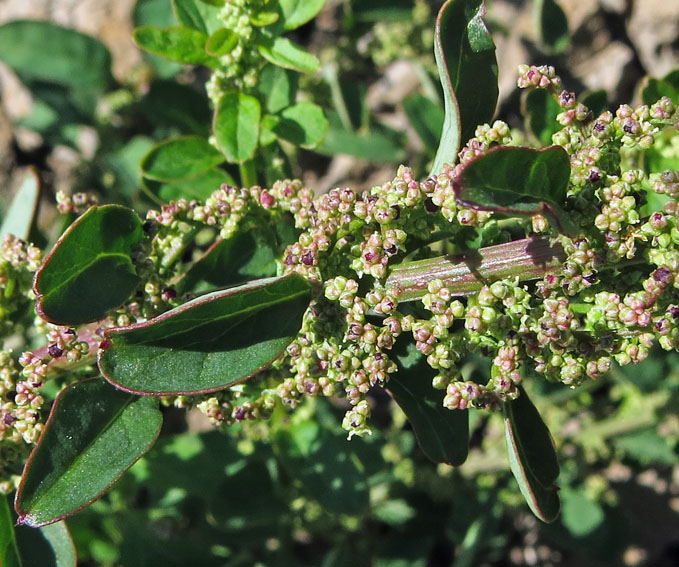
(465, 56)
(236, 126)
(298, 12)
(221, 42)
(303, 124)
(654, 89)
(93, 435)
(179, 44)
(517, 180)
(9, 551)
(198, 15)
(284, 53)
(156, 13)
(172, 105)
(381, 10)
(532, 457)
(208, 344)
(443, 434)
(648, 448)
(180, 158)
(427, 119)
(579, 514)
(541, 110)
(552, 25)
(276, 88)
(90, 272)
(199, 187)
(596, 101)
(21, 213)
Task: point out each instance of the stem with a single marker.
(248, 173)
(466, 273)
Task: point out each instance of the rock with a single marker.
(653, 28)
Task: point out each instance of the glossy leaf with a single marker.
(197, 15)
(552, 25)
(276, 88)
(541, 111)
(299, 12)
(90, 272)
(208, 344)
(180, 158)
(21, 213)
(532, 457)
(93, 435)
(443, 434)
(284, 53)
(236, 126)
(465, 56)
(427, 119)
(199, 187)
(303, 124)
(221, 42)
(179, 44)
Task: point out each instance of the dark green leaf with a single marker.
(208, 344)
(221, 42)
(93, 435)
(443, 434)
(285, 53)
(299, 12)
(236, 126)
(9, 551)
(426, 118)
(465, 56)
(182, 45)
(276, 87)
(596, 101)
(579, 514)
(156, 13)
(173, 105)
(180, 158)
(90, 272)
(381, 10)
(654, 89)
(552, 25)
(198, 15)
(21, 213)
(303, 124)
(532, 457)
(541, 110)
(199, 187)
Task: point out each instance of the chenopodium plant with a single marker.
(552, 263)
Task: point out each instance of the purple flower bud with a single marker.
(55, 351)
(662, 275)
(308, 258)
(430, 206)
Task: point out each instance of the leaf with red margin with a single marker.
(210, 343)
(93, 435)
(532, 457)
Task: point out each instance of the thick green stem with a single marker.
(465, 274)
(248, 173)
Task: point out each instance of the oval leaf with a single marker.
(299, 12)
(199, 187)
(93, 435)
(285, 53)
(541, 111)
(303, 124)
(552, 25)
(19, 218)
(221, 42)
(236, 126)
(179, 44)
(465, 56)
(532, 457)
(180, 158)
(210, 343)
(198, 15)
(90, 272)
(443, 434)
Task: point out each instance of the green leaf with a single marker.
(648, 448)
(443, 434)
(579, 514)
(221, 42)
(284, 53)
(596, 101)
(170, 104)
(552, 25)
(47, 53)
(263, 19)
(299, 12)
(654, 89)
(303, 124)
(90, 272)
(236, 126)
(156, 13)
(532, 457)
(541, 110)
(179, 44)
(381, 10)
(276, 88)
(199, 187)
(465, 56)
(9, 551)
(427, 119)
(180, 158)
(208, 344)
(93, 435)
(393, 512)
(21, 213)
(197, 15)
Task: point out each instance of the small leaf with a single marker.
(198, 15)
(263, 19)
(21, 213)
(183, 45)
(427, 119)
(199, 187)
(579, 514)
(285, 53)
(89, 272)
(303, 124)
(93, 435)
(654, 89)
(532, 457)
(443, 434)
(465, 56)
(208, 344)
(596, 101)
(180, 158)
(221, 42)
(552, 25)
(276, 87)
(299, 12)
(236, 126)
(541, 110)
(172, 105)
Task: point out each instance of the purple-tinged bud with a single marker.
(663, 276)
(430, 206)
(55, 351)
